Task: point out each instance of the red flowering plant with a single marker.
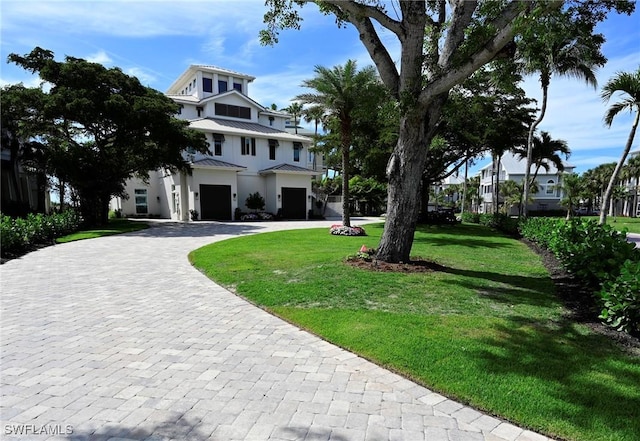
(341, 230)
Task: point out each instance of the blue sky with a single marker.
(157, 40)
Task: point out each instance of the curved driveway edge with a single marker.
(120, 338)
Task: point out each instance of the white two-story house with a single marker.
(250, 151)
(513, 168)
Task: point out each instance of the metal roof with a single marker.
(244, 128)
(288, 168)
(208, 162)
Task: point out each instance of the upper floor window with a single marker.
(297, 146)
(273, 143)
(222, 86)
(180, 107)
(233, 111)
(200, 110)
(207, 85)
(550, 186)
(238, 87)
(218, 139)
(248, 146)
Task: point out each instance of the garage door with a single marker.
(294, 203)
(215, 202)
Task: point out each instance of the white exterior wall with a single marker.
(249, 183)
(156, 199)
(271, 200)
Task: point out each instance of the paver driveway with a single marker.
(120, 338)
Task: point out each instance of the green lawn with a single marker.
(487, 331)
(632, 224)
(115, 226)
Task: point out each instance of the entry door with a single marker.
(294, 203)
(215, 202)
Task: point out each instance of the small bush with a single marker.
(471, 218)
(255, 201)
(501, 222)
(620, 299)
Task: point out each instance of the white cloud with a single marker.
(100, 57)
(143, 75)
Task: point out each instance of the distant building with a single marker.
(513, 168)
(630, 205)
(250, 151)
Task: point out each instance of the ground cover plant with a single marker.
(485, 328)
(113, 226)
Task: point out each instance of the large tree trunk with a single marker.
(404, 172)
(614, 177)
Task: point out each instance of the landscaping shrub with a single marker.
(539, 229)
(439, 217)
(471, 218)
(601, 258)
(592, 252)
(620, 299)
(500, 221)
(341, 230)
(20, 234)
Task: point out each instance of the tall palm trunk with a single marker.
(346, 146)
(616, 171)
(544, 80)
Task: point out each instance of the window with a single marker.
(550, 185)
(199, 109)
(141, 201)
(273, 143)
(297, 146)
(248, 146)
(233, 111)
(207, 85)
(238, 87)
(218, 139)
(180, 107)
(271, 118)
(222, 86)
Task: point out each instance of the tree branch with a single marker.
(505, 25)
(461, 17)
(355, 9)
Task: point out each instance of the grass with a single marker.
(632, 224)
(487, 331)
(114, 226)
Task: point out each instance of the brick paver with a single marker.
(119, 338)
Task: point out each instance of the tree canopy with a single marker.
(96, 127)
(442, 43)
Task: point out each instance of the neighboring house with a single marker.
(250, 151)
(630, 206)
(513, 168)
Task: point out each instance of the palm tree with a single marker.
(295, 109)
(571, 187)
(627, 84)
(545, 151)
(558, 52)
(340, 91)
(317, 115)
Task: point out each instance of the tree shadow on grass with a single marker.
(588, 382)
(531, 290)
(466, 241)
